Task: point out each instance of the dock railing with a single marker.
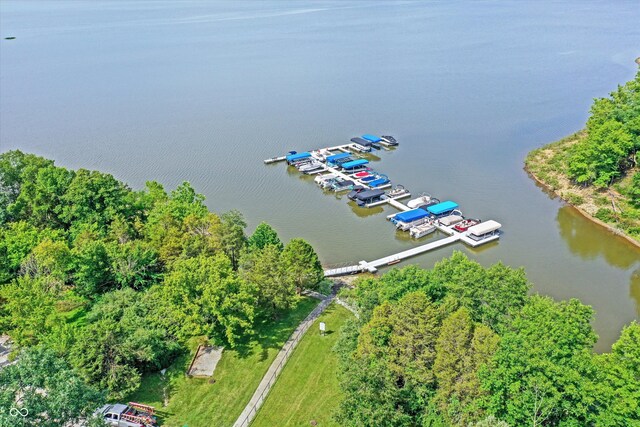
(342, 268)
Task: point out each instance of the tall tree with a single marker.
(134, 264)
(618, 374)
(264, 235)
(540, 374)
(27, 308)
(233, 237)
(47, 389)
(301, 264)
(16, 168)
(263, 268)
(120, 341)
(462, 348)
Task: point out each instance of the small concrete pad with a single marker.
(205, 361)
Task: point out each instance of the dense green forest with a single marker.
(103, 283)
(100, 284)
(463, 345)
(597, 169)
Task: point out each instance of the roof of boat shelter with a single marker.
(355, 163)
(338, 157)
(361, 141)
(368, 194)
(484, 227)
(443, 207)
(371, 138)
(293, 157)
(412, 215)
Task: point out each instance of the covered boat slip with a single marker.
(371, 138)
(409, 216)
(478, 231)
(294, 158)
(442, 208)
(354, 164)
(369, 195)
(335, 157)
(420, 217)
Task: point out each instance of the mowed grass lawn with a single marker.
(198, 403)
(307, 388)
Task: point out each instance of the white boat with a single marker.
(422, 230)
(311, 166)
(414, 203)
(404, 226)
(397, 192)
(454, 218)
(320, 179)
(322, 154)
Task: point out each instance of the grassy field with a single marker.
(199, 403)
(307, 388)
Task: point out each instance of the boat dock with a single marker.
(474, 236)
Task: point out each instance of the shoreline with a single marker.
(547, 188)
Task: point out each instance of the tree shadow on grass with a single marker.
(272, 333)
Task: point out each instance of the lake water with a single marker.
(198, 91)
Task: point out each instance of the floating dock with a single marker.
(488, 234)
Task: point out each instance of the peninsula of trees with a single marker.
(596, 169)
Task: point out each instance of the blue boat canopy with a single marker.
(355, 163)
(371, 138)
(361, 141)
(378, 182)
(412, 215)
(335, 157)
(443, 207)
(298, 156)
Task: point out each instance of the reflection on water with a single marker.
(483, 248)
(634, 288)
(590, 241)
(364, 212)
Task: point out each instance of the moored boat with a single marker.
(466, 224)
(343, 185)
(443, 209)
(355, 191)
(407, 219)
(398, 191)
(484, 231)
(388, 140)
(369, 196)
(453, 218)
(320, 179)
(414, 203)
(423, 229)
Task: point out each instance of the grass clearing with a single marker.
(307, 388)
(196, 402)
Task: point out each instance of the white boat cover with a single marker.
(484, 227)
(450, 220)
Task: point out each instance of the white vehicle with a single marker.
(132, 415)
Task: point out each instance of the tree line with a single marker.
(463, 345)
(610, 147)
(110, 283)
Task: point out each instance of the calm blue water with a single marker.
(174, 91)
